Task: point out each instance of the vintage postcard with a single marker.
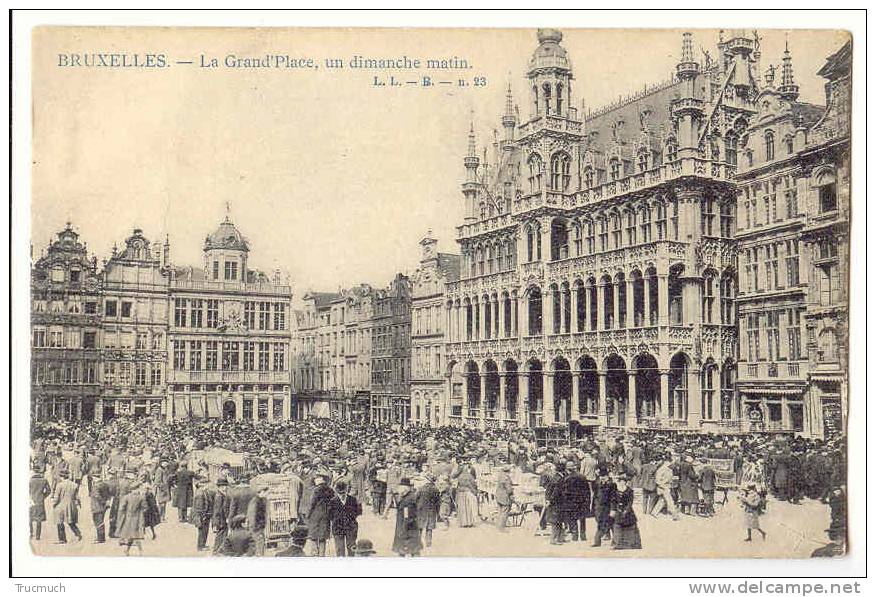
(548, 292)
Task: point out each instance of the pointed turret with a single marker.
(470, 186)
(788, 89)
(509, 120)
(689, 106)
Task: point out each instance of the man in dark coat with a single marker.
(406, 541)
(319, 515)
(428, 504)
(239, 498)
(239, 542)
(345, 509)
(183, 481)
(575, 493)
(257, 519)
(649, 485)
(39, 491)
(101, 496)
(202, 512)
(219, 515)
(602, 501)
(707, 485)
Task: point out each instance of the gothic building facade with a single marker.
(599, 275)
(391, 353)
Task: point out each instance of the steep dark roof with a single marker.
(838, 64)
(805, 115)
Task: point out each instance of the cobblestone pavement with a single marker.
(792, 531)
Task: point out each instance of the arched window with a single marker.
(546, 89)
(715, 148)
(789, 144)
(708, 388)
(603, 234)
(770, 145)
(530, 244)
(535, 103)
(645, 224)
(731, 147)
(631, 227)
(616, 234)
(560, 99)
(536, 168)
(576, 235)
(534, 307)
(591, 237)
(511, 255)
(708, 297)
(561, 165)
(642, 160)
(588, 177)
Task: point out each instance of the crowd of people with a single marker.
(134, 472)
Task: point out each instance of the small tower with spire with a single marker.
(788, 90)
(470, 186)
(509, 120)
(689, 107)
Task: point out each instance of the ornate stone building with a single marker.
(391, 353)
(428, 382)
(598, 270)
(134, 349)
(65, 331)
(229, 335)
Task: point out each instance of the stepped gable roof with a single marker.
(226, 236)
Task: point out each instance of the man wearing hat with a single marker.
(345, 509)
(504, 496)
(202, 511)
(219, 515)
(407, 535)
(298, 541)
(364, 548)
(66, 506)
(319, 516)
(602, 501)
(101, 496)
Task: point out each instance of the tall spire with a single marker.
(788, 90)
(687, 68)
(686, 47)
(509, 119)
(472, 150)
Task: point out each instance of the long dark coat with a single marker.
(602, 502)
(687, 484)
(184, 489)
(574, 496)
(132, 513)
(428, 503)
(319, 516)
(407, 535)
(39, 491)
(202, 508)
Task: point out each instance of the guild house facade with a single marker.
(142, 336)
(603, 253)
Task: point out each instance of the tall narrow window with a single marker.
(561, 165)
(731, 145)
(795, 350)
(179, 312)
(212, 313)
(535, 173)
(770, 145)
(792, 262)
(645, 224)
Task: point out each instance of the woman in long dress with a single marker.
(467, 497)
(753, 506)
(625, 532)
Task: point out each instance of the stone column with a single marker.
(524, 315)
(547, 309)
(664, 394)
(615, 297)
(497, 319)
(573, 306)
(694, 399)
(663, 299)
(576, 394)
(515, 332)
(238, 407)
(646, 302)
(548, 402)
(631, 303)
(270, 407)
(482, 402)
(563, 315)
(522, 398)
(631, 418)
(502, 407)
(602, 376)
(287, 407)
(600, 306)
(588, 307)
(502, 314)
